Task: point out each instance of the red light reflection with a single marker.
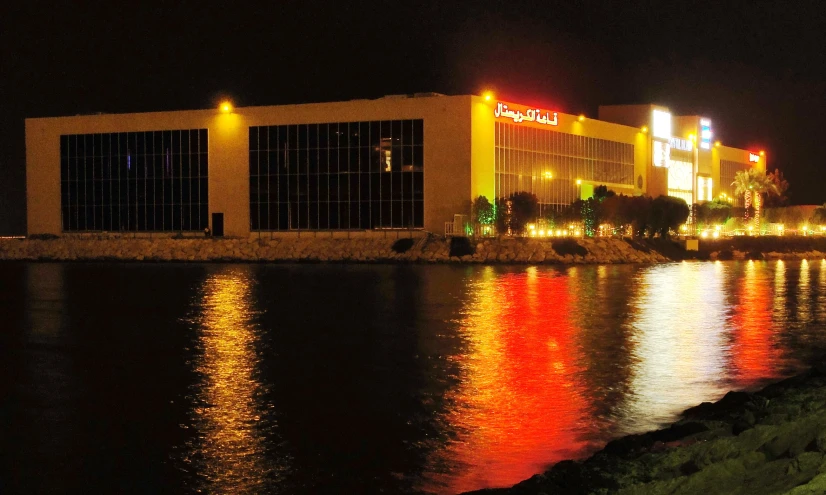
(754, 357)
(518, 398)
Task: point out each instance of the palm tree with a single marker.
(752, 183)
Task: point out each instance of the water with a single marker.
(138, 378)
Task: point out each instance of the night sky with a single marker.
(756, 68)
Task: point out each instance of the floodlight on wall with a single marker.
(226, 107)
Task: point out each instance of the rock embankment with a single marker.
(315, 249)
(769, 442)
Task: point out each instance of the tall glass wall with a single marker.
(345, 175)
(134, 181)
(681, 175)
(548, 163)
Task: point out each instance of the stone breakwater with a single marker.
(314, 249)
(769, 442)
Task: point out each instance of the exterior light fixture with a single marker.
(226, 107)
(692, 138)
(762, 153)
(579, 182)
(644, 129)
(718, 144)
(581, 118)
(488, 96)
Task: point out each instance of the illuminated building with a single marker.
(397, 162)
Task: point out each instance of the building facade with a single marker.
(394, 163)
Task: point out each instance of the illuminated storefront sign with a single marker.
(705, 134)
(530, 115)
(680, 144)
(661, 124)
(661, 153)
(754, 157)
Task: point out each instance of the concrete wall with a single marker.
(447, 151)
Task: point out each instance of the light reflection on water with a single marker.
(559, 361)
(519, 397)
(229, 452)
(361, 379)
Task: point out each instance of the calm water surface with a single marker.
(234, 378)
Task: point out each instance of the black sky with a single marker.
(756, 68)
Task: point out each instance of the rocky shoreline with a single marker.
(768, 442)
(422, 249)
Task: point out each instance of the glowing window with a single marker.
(661, 124)
(704, 189)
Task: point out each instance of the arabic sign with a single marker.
(530, 115)
(754, 157)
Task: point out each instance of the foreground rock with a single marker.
(769, 442)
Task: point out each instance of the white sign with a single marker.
(530, 115)
(705, 134)
(754, 158)
(680, 144)
(661, 124)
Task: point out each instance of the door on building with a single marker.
(218, 224)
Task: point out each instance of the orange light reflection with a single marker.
(519, 398)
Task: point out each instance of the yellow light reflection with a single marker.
(804, 304)
(821, 289)
(228, 453)
(779, 299)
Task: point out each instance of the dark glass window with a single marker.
(135, 181)
(342, 175)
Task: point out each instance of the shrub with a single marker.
(667, 213)
(461, 246)
(402, 245)
(515, 212)
(568, 246)
(44, 237)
